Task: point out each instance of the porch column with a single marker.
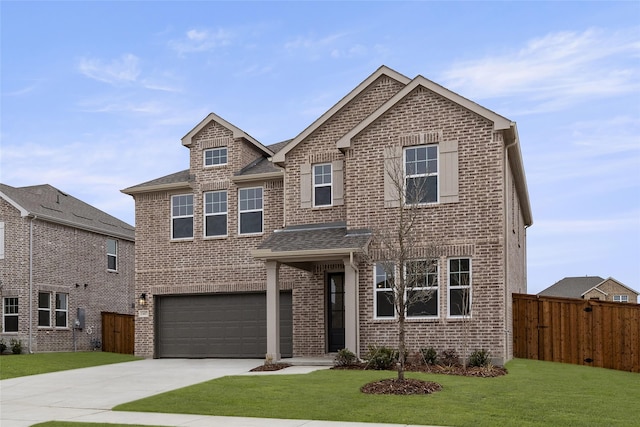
(350, 306)
(273, 311)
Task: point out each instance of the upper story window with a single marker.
(459, 287)
(182, 216)
(421, 174)
(215, 156)
(322, 185)
(215, 213)
(44, 309)
(1, 240)
(621, 298)
(62, 310)
(250, 210)
(112, 254)
(10, 315)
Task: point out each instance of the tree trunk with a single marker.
(401, 346)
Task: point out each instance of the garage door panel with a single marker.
(225, 325)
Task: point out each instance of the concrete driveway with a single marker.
(88, 394)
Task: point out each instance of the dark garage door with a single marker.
(225, 325)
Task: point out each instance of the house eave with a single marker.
(23, 211)
(132, 191)
(79, 226)
(269, 176)
(303, 255)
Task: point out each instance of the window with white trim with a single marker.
(215, 157)
(1, 239)
(621, 298)
(112, 255)
(10, 314)
(182, 216)
(215, 213)
(322, 185)
(44, 309)
(62, 310)
(383, 290)
(422, 288)
(459, 287)
(421, 174)
(250, 210)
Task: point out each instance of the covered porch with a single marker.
(304, 247)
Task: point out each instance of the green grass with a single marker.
(534, 393)
(20, 365)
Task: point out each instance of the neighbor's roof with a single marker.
(312, 240)
(50, 204)
(572, 287)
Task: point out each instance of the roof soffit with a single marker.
(279, 157)
(237, 132)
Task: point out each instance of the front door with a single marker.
(335, 311)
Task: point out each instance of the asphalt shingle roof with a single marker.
(51, 204)
(316, 237)
(572, 287)
(174, 178)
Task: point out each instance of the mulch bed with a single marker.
(270, 367)
(401, 387)
(485, 372)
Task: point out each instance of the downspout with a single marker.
(357, 284)
(31, 283)
(506, 244)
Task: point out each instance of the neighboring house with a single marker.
(591, 287)
(61, 260)
(217, 243)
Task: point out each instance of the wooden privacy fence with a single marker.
(583, 332)
(118, 333)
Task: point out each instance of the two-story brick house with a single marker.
(266, 249)
(61, 260)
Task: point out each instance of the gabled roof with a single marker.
(237, 132)
(174, 181)
(47, 203)
(383, 70)
(572, 287)
(606, 280)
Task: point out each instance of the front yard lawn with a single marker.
(534, 393)
(20, 365)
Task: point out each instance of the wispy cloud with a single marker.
(196, 40)
(555, 70)
(334, 46)
(123, 70)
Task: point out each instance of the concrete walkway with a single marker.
(89, 394)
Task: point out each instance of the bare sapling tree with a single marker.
(405, 258)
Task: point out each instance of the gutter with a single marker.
(34, 217)
(506, 244)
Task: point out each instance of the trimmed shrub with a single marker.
(16, 346)
(381, 358)
(480, 358)
(345, 357)
(429, 355)
(3, 346)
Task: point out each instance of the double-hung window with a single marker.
(44, 309)
(621, 298)
(10, 315)
(62, 310)
(250, 210)
(112, 255)
(215, 157)
(421, 174)
(383, 290)
(421, 283)
(459, 287)
(215, 213)
(322, 185)
(182, 216)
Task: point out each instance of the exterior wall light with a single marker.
(143, 299)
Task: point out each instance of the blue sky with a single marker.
(95, 96)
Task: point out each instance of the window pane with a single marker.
(111, 262)
(323, 196)
(11, 323)
(216, 225)
(459, 302)
(423, 303)
(61, 319)
(250, 222)
(44, 318)
(61, 301)
(44, 300)
(384, 304)
(182, 228)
